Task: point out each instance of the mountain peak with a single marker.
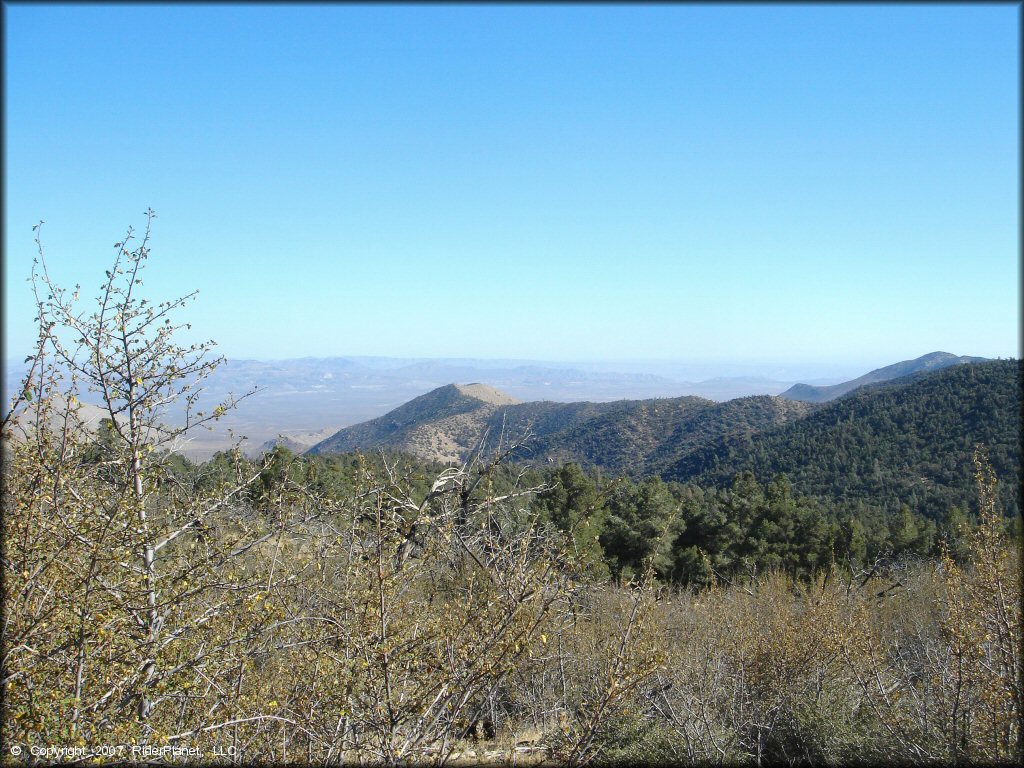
(442, 425)
(485, 393)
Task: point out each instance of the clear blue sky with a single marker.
(691, 182)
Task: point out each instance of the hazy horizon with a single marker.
(681, 370)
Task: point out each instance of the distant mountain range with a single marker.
(578, 413)
(299, 399)
(931, 362)
(904, 433)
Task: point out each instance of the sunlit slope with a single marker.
(636, 437)
(444, 424)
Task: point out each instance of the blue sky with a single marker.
(817, 184)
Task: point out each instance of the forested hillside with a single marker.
(634, 437)
(894, 444)
(641, 438)
(906, 441)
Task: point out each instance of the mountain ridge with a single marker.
(636, 436)
(906, 440)
(933, 361)
(631, 436)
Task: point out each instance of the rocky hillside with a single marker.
(443, 425)
(636, 437)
